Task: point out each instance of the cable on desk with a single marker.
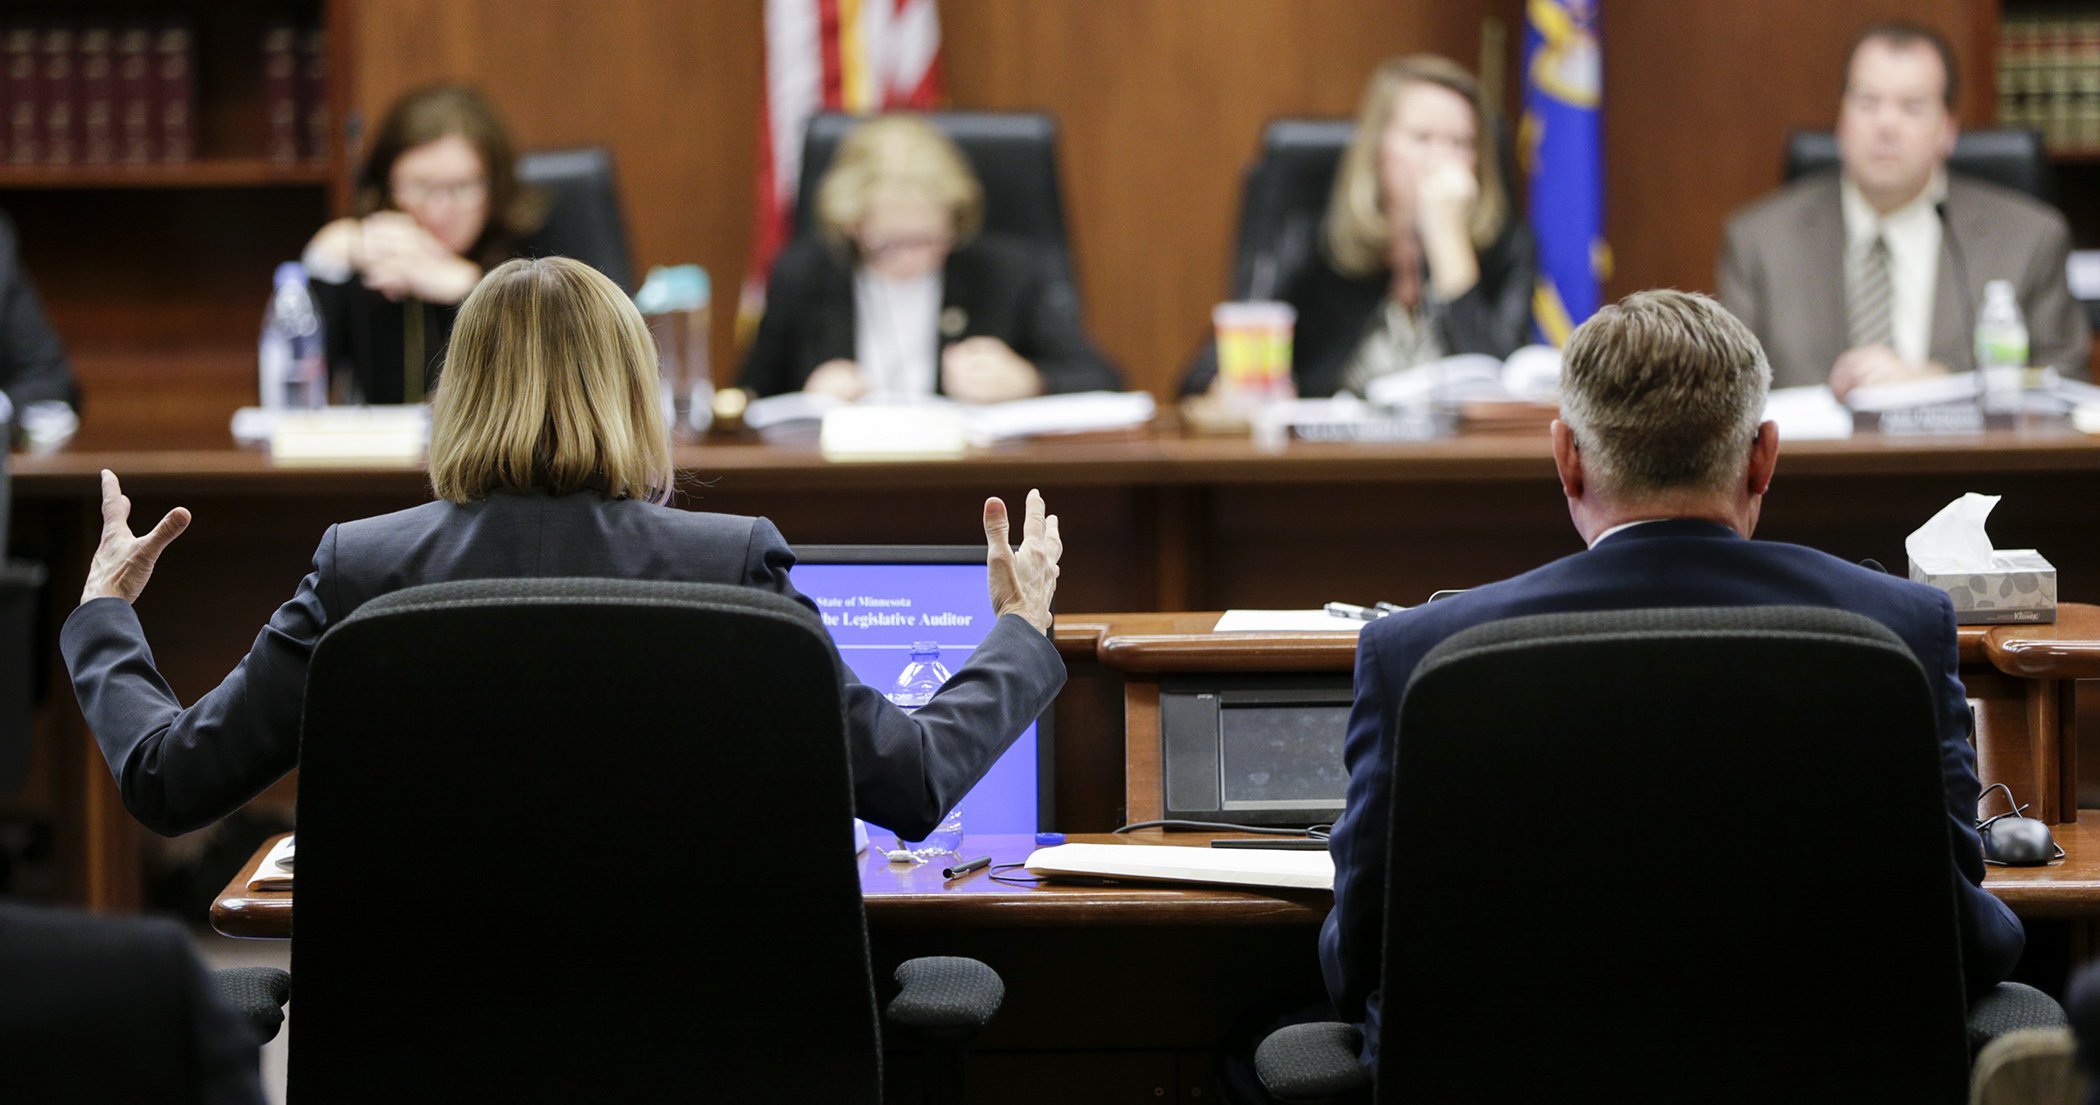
(1012, 880)
(1316, 832)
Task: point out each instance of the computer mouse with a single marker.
(2018, 842)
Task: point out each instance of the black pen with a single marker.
(1350, 610)
(965, 867)
(1387, 608)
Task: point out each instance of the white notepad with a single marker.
(275, 871)
(1286, 621)
(1174, 863)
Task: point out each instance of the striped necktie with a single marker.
(1871, 296)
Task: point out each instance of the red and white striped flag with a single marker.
(828, 55)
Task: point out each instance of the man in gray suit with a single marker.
(1874, 274)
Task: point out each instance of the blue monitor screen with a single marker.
(878, 612)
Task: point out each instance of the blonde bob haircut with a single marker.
(1357, 233)
(550, 385)
(897, 156)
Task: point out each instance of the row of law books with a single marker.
(94, 91)
(2049, 78)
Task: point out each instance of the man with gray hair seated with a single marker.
(1665, 460)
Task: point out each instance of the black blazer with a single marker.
(1682, 562)
(367, 338)
(1335, 311)
(33, 366)
(179, 769)
(993, 285)
(114, 1010)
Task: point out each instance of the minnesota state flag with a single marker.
(1561, 142)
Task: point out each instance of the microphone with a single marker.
(1961, 277)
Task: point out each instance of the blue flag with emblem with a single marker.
(1561, 144)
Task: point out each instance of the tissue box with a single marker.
(2019, 587)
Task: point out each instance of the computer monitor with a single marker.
(878, 601)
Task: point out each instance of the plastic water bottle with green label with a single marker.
(2001, 348)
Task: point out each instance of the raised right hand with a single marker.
(1023, 580)
(123, 563)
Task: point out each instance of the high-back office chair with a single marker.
(2010, 156)
(1724, 872)
(583, 212)
(1014, 155)
(1283, 200)
(585, 840)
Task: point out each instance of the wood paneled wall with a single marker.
(1161, 104)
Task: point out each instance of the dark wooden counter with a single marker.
(1156, 523)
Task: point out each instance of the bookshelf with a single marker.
(155, 265)
(2047, 76)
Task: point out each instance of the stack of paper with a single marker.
(275, 871)
(1176, 863)
(1286, 621)
(1081, 412)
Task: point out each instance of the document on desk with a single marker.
(1176, 863)
(1286, 621)
(275, 871)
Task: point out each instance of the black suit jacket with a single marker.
(179, 769)
(116, 1010)
(1656, 564)
(991, 286)
(367, 339)
(1335, 311)
(33, 366)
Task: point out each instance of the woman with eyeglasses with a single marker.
(900, 296)
(438, 204)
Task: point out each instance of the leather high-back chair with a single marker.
(583, 213)
(1283, 200)
(1014, 155)
(2010, 156)
(1671, 855)
(579, 840)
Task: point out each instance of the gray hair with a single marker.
(1665, 391)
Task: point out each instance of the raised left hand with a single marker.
(123, 563)
(986, 370)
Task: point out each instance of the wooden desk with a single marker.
(1131, 987)
(1158, 523)
(2022, 678)
(1112, 993)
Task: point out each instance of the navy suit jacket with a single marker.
(180, 769)
(1656, 564)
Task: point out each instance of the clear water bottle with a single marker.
(920, 678)
(2001, 348)
(945, 840)
(292, 360)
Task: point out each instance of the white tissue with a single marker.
(1953, 540)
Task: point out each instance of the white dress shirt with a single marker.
(896, 334)
(1913, 234)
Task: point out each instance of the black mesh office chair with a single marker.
(1725, 874)
(2010, 156)
(583, 213)
(587, 840)
(1014, 155)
